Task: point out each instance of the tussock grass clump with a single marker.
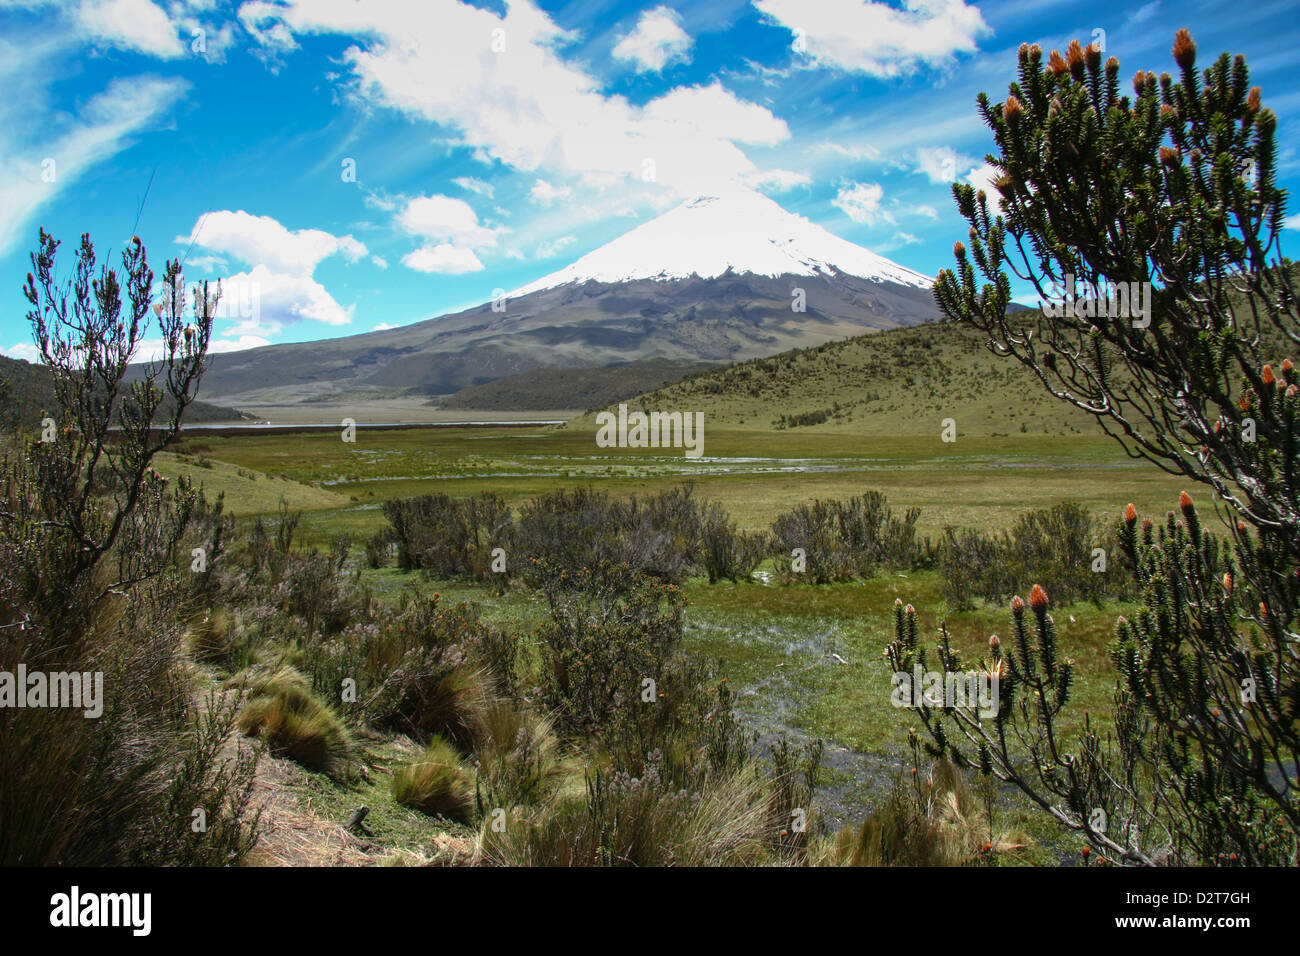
(518, 756)
(211, 640)
(436, 783)
(938, 821)
(294, 724)
(448, 704)
(412, 668)
(630, 821)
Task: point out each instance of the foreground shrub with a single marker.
(89, 551)
(791, 820)
(1191, 774)
(612, 631)
(1205, 766)
(221, 788)
(435, 783)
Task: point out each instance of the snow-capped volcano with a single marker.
(715, 279)
(740, 231)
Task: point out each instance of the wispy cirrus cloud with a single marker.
(876, 38)
(45, 152)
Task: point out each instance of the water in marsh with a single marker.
(780, 666)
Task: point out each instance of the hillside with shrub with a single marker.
(26, 396)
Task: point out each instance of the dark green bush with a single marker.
(1053, 546)
(448, 537)
(842, 540)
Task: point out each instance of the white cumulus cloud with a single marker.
(23, 350)
(444, 258)
(278, 288)
(861, 203)
(138, 25)
(442, 217)
(524, 105)
(263, 240)
(657, 41)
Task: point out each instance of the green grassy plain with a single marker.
(806, 661)
(981, 481)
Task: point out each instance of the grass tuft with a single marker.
(436, 783)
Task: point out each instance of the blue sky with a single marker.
(349, 166)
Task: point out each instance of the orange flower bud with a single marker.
(1074, 54)
(1011, 110)
(1017, 606)
(1130, 514)
(1185, 504)
(1038, 599)
(1227, 582)
(959, 250)
(1057, 63)
(1184, 50)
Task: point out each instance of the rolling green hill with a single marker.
(894, 382)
